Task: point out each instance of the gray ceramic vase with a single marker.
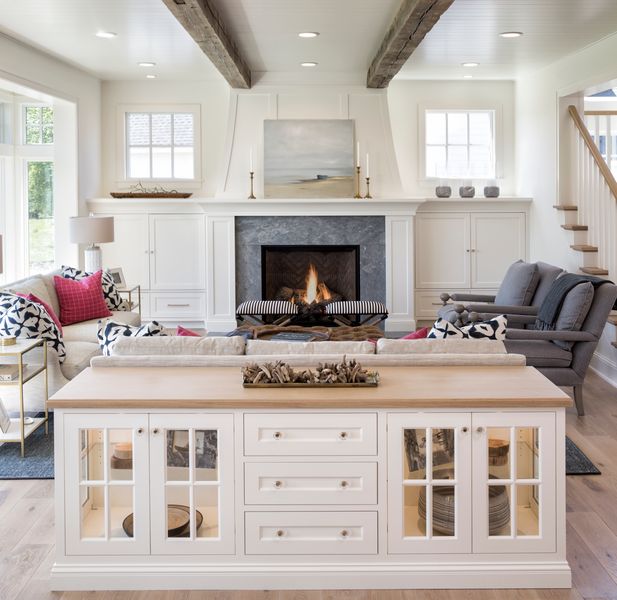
(491, 191)
(467, 191)
(443, 191)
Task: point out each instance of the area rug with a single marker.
(577, 462)
(38, 462)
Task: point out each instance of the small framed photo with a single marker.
(118, 276)
(5, 421)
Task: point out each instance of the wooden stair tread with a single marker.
(613, 321)
(565, 207)
(584, 248)
(594, 270)
(575, 227)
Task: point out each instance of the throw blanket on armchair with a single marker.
(551, 305)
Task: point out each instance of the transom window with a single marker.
(460, 144)
(38, 125)
(160, 145)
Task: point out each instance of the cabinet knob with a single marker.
(343, 435)
(140, 430)
(480, 429)
(344, 533)
(344, 484)
(465, 429)
(468, 250)
(151, 251)
(277, 435)
(280, 533)
(278, 484)
(155, 431)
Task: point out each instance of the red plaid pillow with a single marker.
(81, 300)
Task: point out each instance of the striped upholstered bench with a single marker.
(345, 312)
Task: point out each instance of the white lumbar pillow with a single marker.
(179, 346)
(280, 348)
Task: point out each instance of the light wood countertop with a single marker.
(400, 387)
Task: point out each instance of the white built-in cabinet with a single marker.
(166, 255)
(458, 250)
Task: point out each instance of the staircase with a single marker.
(591, 214)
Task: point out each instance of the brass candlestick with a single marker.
(358, 194)
(368, 188)
(252, 195)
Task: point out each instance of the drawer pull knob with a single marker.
(155, 431)
(465, 429)
(140, 431)
(280, 533)
(278, 484)
(480, 429)
(344, 533)
(277, 435)
(343, 435)
(344, 484)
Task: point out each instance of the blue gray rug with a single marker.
(577, 462)
(38, 462)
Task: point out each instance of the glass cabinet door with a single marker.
(106, 466)
(514, 489)
(429, 483)
(192, 484)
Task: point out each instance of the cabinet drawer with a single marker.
(310, 434)
(311, 533)
(310, 483)
(178, 305)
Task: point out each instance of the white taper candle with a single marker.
(367, 169)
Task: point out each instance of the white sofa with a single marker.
(79, 339)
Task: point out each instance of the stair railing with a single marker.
(594, 191)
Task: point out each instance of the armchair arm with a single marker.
(473, 297)
(501, 309)
(548, 335)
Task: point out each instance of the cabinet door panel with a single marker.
(514, 482)
(429, 483)
(106, 466)
(177, 252)
(130, 249)
(192, 478)
(442, 251)
(497, 240)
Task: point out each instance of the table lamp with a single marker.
(92, 230)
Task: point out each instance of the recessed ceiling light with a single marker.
(308, 34)
(467, 76)
(150, 76)
(146, 64)
(470, 64)
(511, 34)
(107, 35)
(309, 64)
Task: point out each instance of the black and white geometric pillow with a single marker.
(494, 329)
(112, 297)
(443, 330)
(110, 332)
(25, 319)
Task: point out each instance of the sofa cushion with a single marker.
(110, 332)
(81, 300)
(276, 348)
(22, 318)
(87, 331)
(440, 346)
(540, 353)
(574, 310)
(547, 274)
(78, 356)
(179, 346)
(33, 285)
(110, 292)
(419, 334)
(518, 285)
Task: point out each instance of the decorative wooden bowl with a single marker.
(178, 521)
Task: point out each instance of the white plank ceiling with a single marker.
(266, 32)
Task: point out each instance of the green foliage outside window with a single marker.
(39, 125)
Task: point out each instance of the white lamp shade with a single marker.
(91, 230)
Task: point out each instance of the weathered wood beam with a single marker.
(204, 25)
(413, 21)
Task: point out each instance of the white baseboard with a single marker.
(605, 368)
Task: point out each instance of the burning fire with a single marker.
(316, 291)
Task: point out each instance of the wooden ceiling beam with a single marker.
(413, 21)
(204, 25)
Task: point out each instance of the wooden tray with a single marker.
(151, 195)
(373, 383)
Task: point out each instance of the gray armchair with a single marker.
(520, 295)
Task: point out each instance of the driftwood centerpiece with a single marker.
(280, 374)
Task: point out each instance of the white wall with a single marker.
(541, 106)
(408, 99)
(213, 97)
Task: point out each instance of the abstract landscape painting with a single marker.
(308, 158)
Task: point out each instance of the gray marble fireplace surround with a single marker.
(368, 232)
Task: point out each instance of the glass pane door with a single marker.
(192, 471)
(430, 483)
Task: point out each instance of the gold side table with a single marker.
(19, 431)
(131, 293)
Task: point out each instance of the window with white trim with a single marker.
(459, 144)
(160, 145)
(38, 124)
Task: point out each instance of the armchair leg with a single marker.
(578, 400)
